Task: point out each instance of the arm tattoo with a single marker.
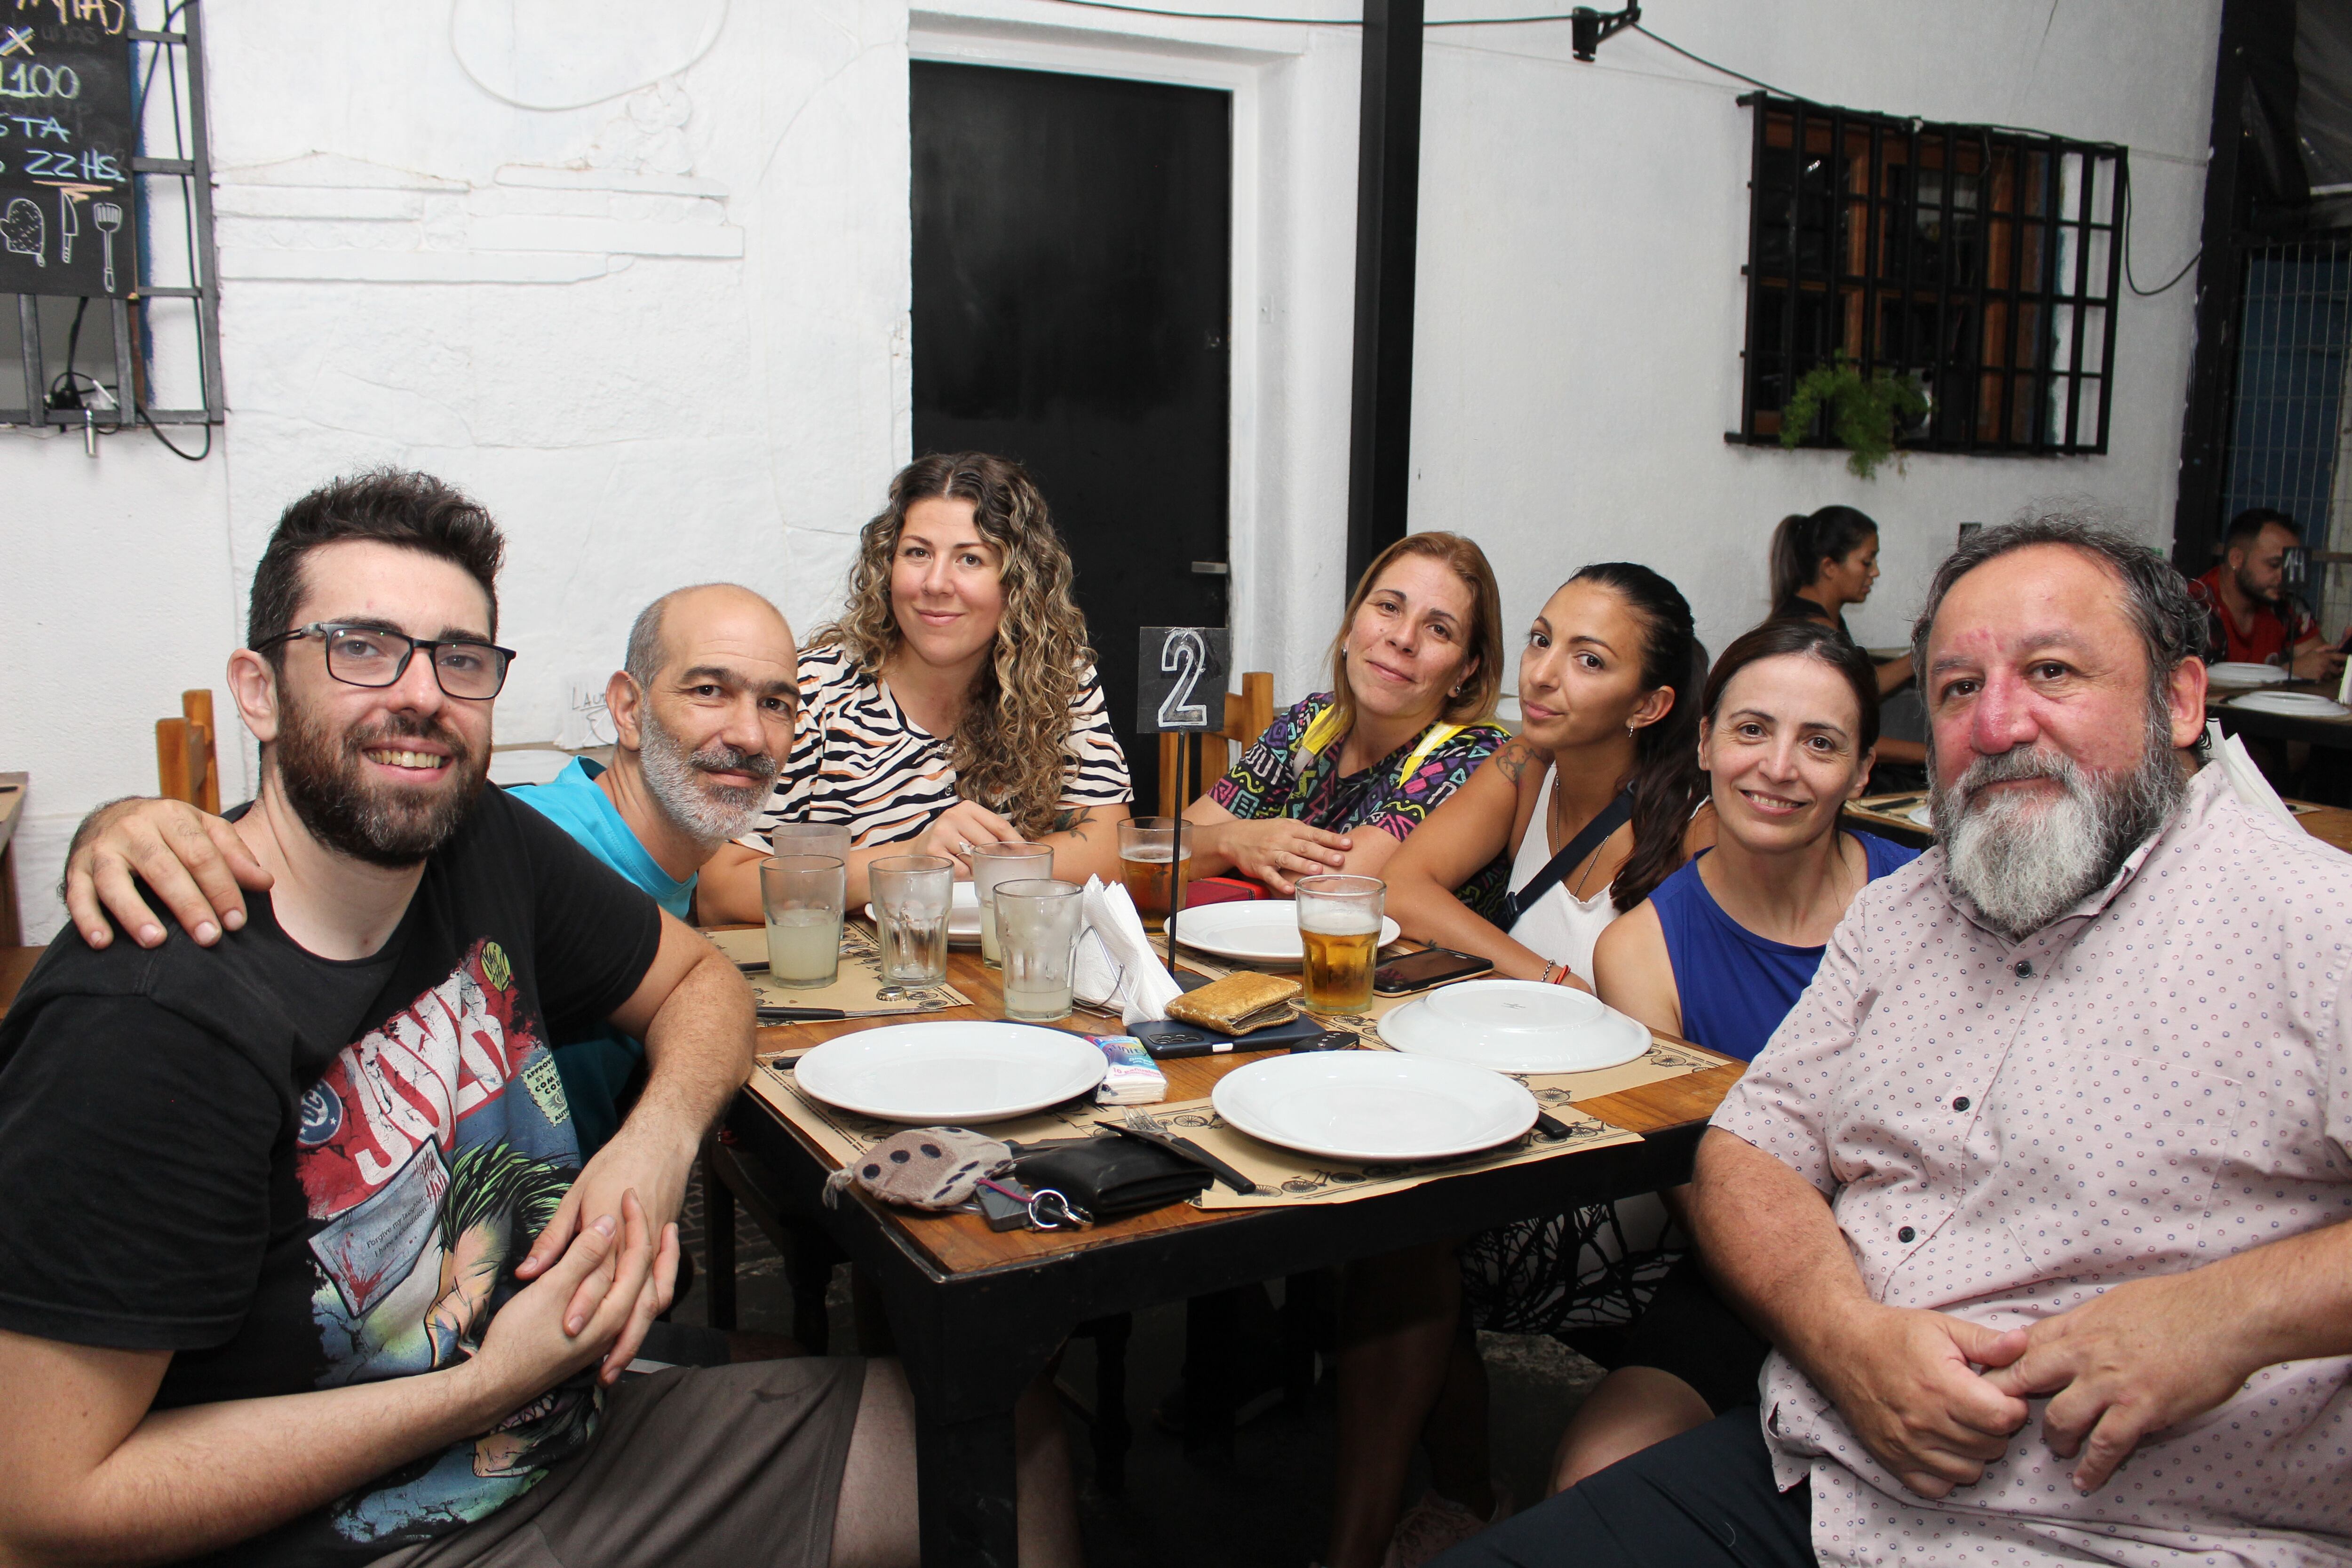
(1513, 758)
(1074, 822)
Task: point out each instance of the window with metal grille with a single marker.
(125, 330)
(1977, 263)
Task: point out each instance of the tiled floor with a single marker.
(1267, 1508)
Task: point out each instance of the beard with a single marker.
(383, 823)
(2259, 595)
(2024, 862)
(711, 813)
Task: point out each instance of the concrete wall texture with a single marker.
(639, 280)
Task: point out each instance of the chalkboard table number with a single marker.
(1180, 684)
(68, 219)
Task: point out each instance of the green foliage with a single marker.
(1863, 413)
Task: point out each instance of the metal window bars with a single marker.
(1978, 262)
(2288, 410)
(98, 363)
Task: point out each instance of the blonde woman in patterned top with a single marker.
(954, 702)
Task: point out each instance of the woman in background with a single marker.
(955, 702)
(1340, 780)
(1822, 561)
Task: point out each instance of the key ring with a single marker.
(1049, 1210)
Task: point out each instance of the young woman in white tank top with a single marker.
(1606, 683)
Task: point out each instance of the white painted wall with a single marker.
(658, 324)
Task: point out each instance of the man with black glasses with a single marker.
(265, 1294)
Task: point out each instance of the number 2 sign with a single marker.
(1180, 677)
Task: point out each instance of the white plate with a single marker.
(1374, 1106)
(2294, 704)
(950, 1071)
(963, 914)
(1262, 930)
(1923, 815)
(1516, 1026)
(2237, 673)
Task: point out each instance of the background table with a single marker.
(2328, 824)
(2336, 734)
(977, 1313)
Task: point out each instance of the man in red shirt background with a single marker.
(2250, 617)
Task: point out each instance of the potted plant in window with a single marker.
(1863, 413)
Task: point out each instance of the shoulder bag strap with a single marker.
(1614, 816)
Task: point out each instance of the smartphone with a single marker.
(1419, 971)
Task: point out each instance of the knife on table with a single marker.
(838, 1015)
(1192, 1151)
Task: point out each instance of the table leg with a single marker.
(1212, 1348)
(964, 1483)
(718, 1244)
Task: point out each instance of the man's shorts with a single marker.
(693, 1467)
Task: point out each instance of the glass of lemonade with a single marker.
(1147, 860)
(803, 895)
(991, 864)
(1340, 926)
(911, 897)
(1037, 921)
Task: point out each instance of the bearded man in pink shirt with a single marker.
(2040, 1191)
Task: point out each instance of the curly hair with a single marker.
(1009, 748)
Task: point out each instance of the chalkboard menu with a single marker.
(1180, 677)
(67, 217)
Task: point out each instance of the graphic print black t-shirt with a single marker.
(295, 1173)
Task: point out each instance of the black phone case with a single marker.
(1160, 1035)
(1430, 985)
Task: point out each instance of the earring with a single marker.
(1456, 692)
(1629, 728)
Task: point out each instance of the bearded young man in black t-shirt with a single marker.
(297, 1260)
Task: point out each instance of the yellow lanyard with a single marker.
(1324, 732)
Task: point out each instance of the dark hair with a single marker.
(1666, 780)
(390, 506)
(1808, 639)
(2248, 525)
(1481, 638)
(1805, 540)
(2171, 625)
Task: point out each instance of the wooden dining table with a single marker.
(977, 1313)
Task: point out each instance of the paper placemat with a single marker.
(856, 985)
(1283, 1176)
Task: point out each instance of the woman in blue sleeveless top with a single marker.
(1720, 954)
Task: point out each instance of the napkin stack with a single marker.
(1133, 1077)
(2246, 781)
(1115, 961)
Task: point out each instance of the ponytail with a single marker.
(1666, 784)
(1804, 540)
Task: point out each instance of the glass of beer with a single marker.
(1147, 859)
(1038, 922)
(912, 894)
(1340, 926)
(993, 864)
(803, 896)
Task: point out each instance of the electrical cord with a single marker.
(156, 430)
(2129, 281)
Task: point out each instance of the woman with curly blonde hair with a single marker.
(955, 699)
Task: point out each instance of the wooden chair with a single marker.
(187, 761)
(1247, 713)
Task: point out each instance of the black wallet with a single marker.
(1110, 1177)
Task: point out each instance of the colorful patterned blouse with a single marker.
(1278, 777)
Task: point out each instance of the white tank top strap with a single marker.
(1561, 926)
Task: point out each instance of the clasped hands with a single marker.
(1936, 1398)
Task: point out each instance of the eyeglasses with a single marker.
(370, 656)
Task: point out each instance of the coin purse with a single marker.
(1110, 1176)
(923, 1168)
(1240, 1004)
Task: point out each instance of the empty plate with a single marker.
(963, 915)
(1923, 815)
(2294, 704)
(2239, 673)
(1516, 1026)
(1374, 1106)
(950, 1071)
(1264, 931)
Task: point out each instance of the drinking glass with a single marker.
(911, 897)
(1000, 862)
(803, 896)
(1038, 922)
(1340, 926)
(1147, 859)
(810, 838)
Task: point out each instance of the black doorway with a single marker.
(1072, 252)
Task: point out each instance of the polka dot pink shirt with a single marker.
(2161, 1078)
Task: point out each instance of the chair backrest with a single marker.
(1247, 713)
(187, 761)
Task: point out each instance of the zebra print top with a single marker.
(858, 760)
